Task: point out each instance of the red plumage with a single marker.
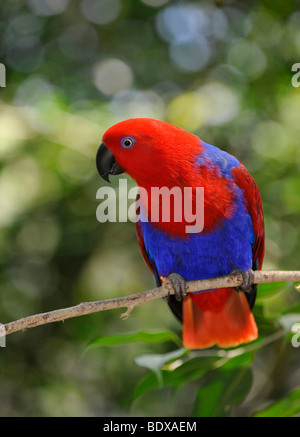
(164, 155)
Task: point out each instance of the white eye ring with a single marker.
(127, 142)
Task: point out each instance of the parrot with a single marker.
(156, 153)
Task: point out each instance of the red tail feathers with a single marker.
(221, 317)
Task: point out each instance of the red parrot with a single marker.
(158, 154)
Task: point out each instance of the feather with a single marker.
(164, 155)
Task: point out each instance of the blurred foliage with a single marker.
(221, 70)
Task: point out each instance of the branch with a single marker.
(130, 302)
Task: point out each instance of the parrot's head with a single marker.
(148, 150)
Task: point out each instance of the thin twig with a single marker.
(130, 302)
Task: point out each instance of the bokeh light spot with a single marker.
(133, 103)
(190, 56)
(101, 11)
(248, 58)
(270, 139)
(182, 22)
(222, 103)
(26, 54)
(266, 30)
(79, 42)
(39, 236)
(19, 185)
(14, 129)
(186, 111)
(47, 8)
(112, 76)
(155, 3)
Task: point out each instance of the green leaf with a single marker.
(132, 337)
(181, 369)
(154, 362)
(239, 361)
(286, 407)
(191, 369)
(150, 382)
(176, 376)
(222, 390)
(287, 321)
(267, 290)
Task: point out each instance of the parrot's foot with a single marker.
(248, 277)
(178, 284)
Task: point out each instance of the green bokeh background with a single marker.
(221, 70)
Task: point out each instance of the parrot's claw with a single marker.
(248, 278)
(179, 286)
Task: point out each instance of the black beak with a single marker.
(106, 163)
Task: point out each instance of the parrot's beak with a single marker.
(106, 163)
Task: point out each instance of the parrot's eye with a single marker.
(127, 142)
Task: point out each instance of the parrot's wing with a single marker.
(254, 206)
(233, 322)
(174, 305)
(148, 260)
